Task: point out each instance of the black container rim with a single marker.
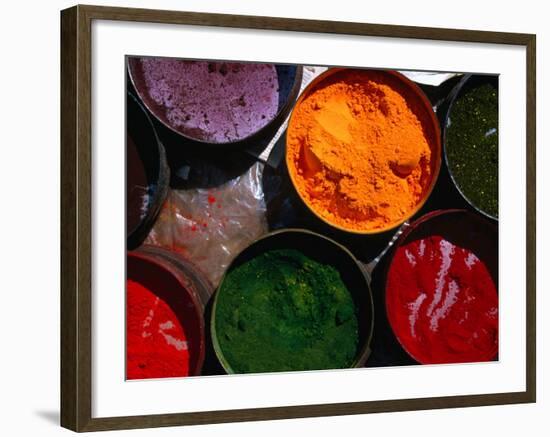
(184, 265)
(137, 235)
(452, 98)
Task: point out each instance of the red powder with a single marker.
(156, 344)
(442, 303)
(211, 199)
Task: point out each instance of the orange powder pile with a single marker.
(360, 147)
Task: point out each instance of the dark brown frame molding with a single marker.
(76, 225)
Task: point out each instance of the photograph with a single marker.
(266, 219)
(339, 216)
(296, 218)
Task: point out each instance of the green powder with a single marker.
(283, 311)
(472, 146)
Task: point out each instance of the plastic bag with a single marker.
(210, 226)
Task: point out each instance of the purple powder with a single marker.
(216, 102)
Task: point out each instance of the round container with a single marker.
(323, 250)
(288, 81)
(468, 83)
(196, 281)
(469, 233)
(177, 287)
(147, 173)
(421, 103)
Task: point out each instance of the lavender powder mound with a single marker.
(213, 101)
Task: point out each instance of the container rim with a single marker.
(138, 234)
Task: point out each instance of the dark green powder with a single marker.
(283, 311)
(472, 146)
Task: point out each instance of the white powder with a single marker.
(167, 325)
(421, 248)
(414, 308)
(470, 260)
(448, 302)
(144, 206)
(180, 345)
(466, 314)
(151, 314)
(411, 258)
(447, 251)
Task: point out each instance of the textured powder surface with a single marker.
(156, 343)
(472, 146)
(360, 150)
(213, 102)
(283, 311)
(442, 302)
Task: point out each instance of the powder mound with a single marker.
(360, 149)
(156, 342)
(216, 102)
(442, 302)
(283, 311)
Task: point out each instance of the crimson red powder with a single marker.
(156, 343)
(442, 302)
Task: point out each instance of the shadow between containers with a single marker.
(147, 173)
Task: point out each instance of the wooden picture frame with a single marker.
(76, 218)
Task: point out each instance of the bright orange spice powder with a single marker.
(361, 150)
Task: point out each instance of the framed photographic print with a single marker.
(267, 218)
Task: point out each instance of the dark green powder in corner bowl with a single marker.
(472, 146)
(283, 311)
